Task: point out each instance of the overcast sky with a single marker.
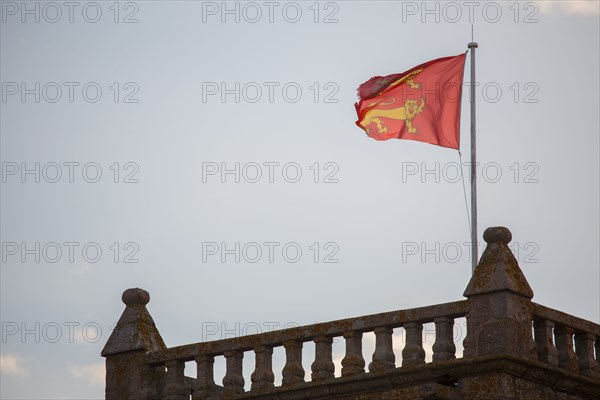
(211, 157)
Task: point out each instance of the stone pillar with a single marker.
(564, 345)
(127, 378)
(323, 367)
(205, 377)
(263, 377)
(584, 345)
(353, 363)
(444, 347)
(233, 381)
(500, 318)
(293, 372)
(384, 358)
(544, 340)
(413, 353)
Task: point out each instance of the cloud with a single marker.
(93, 373)
(578, 7)
(89, 333)
(79, 270)
(12, 365)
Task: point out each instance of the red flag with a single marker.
(420, 104)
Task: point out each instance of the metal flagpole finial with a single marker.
(473, 43)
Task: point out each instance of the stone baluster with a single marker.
(444, 348)
(597, 347)
(546, 351)
(233, 381)
(263, 377)
(153, 382)
(175, 385)
(293, 372)
(205, 378)
(353, 362)
(383, 357)
(564, 344)
(323, 367)
(584, 347)
(413, 353)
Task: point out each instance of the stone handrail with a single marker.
(559, 317)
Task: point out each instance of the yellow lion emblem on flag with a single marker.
(407, 113)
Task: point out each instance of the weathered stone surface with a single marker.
(205, 382)
(233, 381)
(127, 377)
(263, 377)
(498, 268)
(175, 387)
(444, 348)
(564, 344)
(501, 359)
(544, 340)
(135, 330)
(383, 357)
(500, 321)
(413, 353)
(353, 363)
(323, 367)
(293, 372)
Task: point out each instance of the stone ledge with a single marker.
(443, 372)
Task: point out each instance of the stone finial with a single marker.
(136, 296)
(136, 329)
(498, 270)
(497, 234)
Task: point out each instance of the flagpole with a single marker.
(474, 247)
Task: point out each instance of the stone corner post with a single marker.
(500, 318)
(127, 378)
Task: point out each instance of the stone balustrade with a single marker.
(292, 340)
(506, 331)
(566, 341)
